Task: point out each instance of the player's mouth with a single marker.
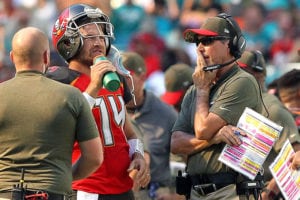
(97, 53)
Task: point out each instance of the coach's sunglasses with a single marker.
(209, 40)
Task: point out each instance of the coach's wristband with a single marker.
(90, 99)
(135, 146)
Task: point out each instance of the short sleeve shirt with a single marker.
(42, 120)
(232, 93)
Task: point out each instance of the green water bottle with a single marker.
(110, 80)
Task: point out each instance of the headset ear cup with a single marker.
(259, 62)
(255, 63)
(237, 44)
(241, 45)
(233, 47)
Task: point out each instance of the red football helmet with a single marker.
(66, 37)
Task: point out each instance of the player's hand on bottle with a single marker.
(98, 70)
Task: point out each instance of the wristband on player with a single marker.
(135, 146)
(90, 99)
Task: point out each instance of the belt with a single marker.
(32, 195)
(208, 183)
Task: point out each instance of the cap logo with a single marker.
(226, 31)
(189, 36)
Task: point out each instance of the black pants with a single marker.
(124, 196)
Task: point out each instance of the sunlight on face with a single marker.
(93, 42)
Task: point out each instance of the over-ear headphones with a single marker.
(237, 43)
(258, 61)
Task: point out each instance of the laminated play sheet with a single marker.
(249, 157)
(287, 179)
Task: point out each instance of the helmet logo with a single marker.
(59, 27)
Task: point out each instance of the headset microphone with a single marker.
(217, 66)
(212, 67)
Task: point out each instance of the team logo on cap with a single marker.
(226, 30)
(189, 36)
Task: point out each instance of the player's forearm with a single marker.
(128, 128)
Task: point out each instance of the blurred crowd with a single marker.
(153, 28)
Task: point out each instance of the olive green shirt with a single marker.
(280, 115)
(39, 121)
(232, 93)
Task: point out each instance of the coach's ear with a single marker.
(46, 60)
(46, 57)
(11, 55)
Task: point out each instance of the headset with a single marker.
(237, 44)
(257, 66)
(258, 59)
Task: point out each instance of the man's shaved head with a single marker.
(28, 48)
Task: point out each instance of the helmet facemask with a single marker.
(99, 26)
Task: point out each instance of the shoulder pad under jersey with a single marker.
(62, 74)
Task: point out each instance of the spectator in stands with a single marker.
(127, 20)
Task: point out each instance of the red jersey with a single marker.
(109, 112)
